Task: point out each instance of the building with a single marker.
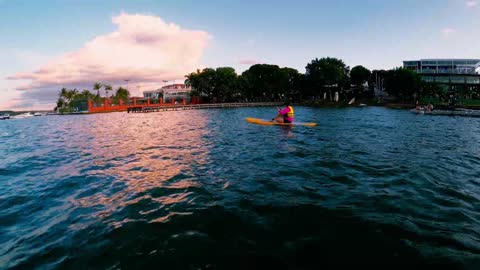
(444, 66)
(451, 74)
(178, 92)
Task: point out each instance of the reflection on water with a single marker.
(145, 155)
(206, 190)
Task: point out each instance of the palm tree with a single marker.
(85, 93)
(97, 86)
(107, 88)
(60, 103)
(63, 93)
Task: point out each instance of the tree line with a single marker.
(322, 79)
(70, 100)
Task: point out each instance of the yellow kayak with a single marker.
(273, 123)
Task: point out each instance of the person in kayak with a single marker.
(285, 115)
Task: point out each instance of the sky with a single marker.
(47, 45)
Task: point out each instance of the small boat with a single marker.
(5, 116)
(23, 115)
(37, 114)
(457, 112)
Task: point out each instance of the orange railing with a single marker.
(135, 103)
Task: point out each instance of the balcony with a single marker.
(448, 71)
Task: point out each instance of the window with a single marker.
(410, 63)
(460, 62)
(445, 63)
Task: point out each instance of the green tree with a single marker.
(203, 83)
(326, 74)
(63, 93)
(85, 93)
(359, 75)
(263, 81)
(107, 87)
(290, 82)
(226, 84)
(68, 95)
(97, 86)
(430, 89)
(72, 94)
(60, 104)
(121, 94)
(402, 82)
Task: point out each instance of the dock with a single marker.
(177, 107)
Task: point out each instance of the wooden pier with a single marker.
(176, 107)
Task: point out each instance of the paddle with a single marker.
(278, 110)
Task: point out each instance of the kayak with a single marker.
(273, 123)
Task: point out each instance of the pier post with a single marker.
(90, 105)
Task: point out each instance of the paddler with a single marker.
(285, 115)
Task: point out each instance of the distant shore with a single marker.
(391, 105)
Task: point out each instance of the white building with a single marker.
(178, 92)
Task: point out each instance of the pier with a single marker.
(176, 107)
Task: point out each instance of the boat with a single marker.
(273, 123)
(23, 115)
(37, 114)
(5, 116)
(456, 112)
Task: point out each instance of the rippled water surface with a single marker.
(206, 190)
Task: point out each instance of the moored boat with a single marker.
(23, 115)
(456, 112)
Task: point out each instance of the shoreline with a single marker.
(339, 105)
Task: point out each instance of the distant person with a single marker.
(429, 107)
(285, 115)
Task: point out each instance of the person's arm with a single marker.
(282, 112)
(276, 116)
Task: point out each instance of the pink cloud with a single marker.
(143, 48)
(248, 62)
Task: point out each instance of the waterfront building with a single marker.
(178, 92)
(451, 74)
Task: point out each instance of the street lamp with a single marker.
(127, 80)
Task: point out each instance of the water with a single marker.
(206, 190)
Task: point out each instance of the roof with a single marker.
(450, 59)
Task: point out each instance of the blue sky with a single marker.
(373, 33)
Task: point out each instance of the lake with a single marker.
(203, 189)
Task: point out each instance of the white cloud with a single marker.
(144, 49)
(448, 31)
(471, 3)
